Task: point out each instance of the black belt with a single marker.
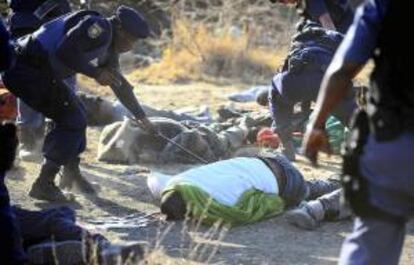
(278, 172)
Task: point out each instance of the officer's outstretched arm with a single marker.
(124, 92)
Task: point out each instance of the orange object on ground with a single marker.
(267, 138)
(8, 105)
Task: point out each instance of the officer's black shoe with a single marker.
(72, 178)
(47, 191)
(44, 187)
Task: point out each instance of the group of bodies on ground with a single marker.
(52, 44)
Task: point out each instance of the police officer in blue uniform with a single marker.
(11, 246)
(299, 80)
(312, 49)
(80, 42)
(381, 188)
(26, 17)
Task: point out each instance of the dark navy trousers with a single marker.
(291, 86)
(389, 168)
(55, 99)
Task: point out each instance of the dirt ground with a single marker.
(125, 211)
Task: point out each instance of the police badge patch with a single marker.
(95, 31)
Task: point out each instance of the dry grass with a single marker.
(198, 53)
(203, 245)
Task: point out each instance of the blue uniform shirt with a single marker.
(339, 10)
(358, 46)
(360, 41)
(86, 44)
(74, 43)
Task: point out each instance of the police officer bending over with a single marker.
(81, 42)
(378, 169)
(312, 48)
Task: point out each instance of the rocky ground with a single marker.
(125, 211)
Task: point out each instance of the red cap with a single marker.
(267, 138)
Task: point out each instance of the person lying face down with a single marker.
(125, 142)
(101, 111)
(235, 191)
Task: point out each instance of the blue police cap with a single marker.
(132, 22)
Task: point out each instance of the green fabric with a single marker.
(337, 134)
(253, 206)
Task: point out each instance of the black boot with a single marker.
(44, 187)
(72, 178)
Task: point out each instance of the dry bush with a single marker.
(202, 54)
(221, 41)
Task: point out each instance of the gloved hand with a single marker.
(107, 77)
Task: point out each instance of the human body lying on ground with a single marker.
(53, 237)
(100, 111)
(125, 142)
(49, 236)
(46, 59)
(235, 191)
(299, 80)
